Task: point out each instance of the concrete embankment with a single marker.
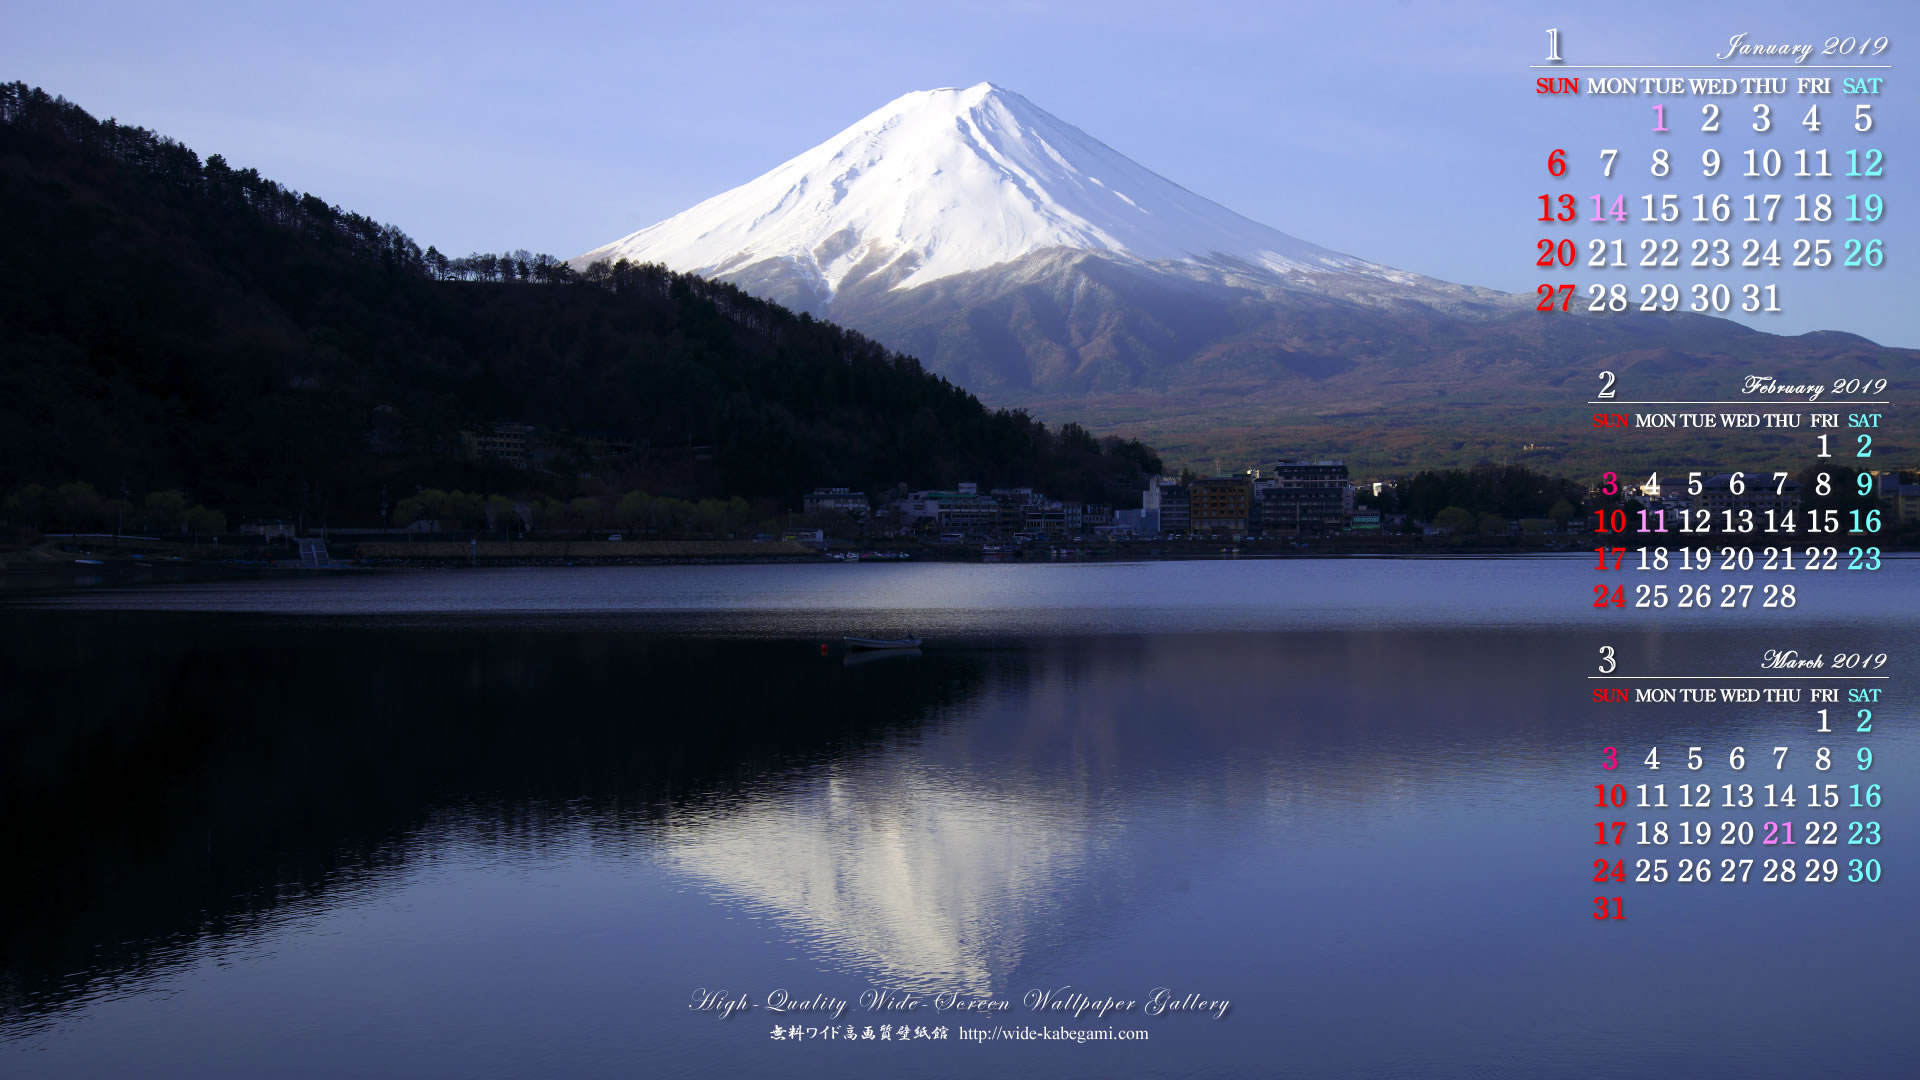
(524, 551)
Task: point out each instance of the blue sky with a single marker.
(1404, 132)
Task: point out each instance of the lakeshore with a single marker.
(50, 568)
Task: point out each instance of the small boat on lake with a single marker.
(862, 657)
(882, 643)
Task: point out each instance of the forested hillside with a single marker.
(168, 322)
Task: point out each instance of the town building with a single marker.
(1221, 504)
(1014, 504)
(1303, 497)
(1172, 501)
(964, 512)
(1047, 518)
(608, 444)
(508, 443)
(837, 501)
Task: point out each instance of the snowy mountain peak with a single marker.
(943, 182)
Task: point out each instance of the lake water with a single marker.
(508, 823)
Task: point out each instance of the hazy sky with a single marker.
(1406, 133)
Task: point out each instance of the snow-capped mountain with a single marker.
(944, 182)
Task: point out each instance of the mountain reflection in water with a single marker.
(1379, 815)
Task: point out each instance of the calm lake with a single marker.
(506, 823)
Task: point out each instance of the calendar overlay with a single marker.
(1771, 174)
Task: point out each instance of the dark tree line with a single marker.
(520, 266)
(1513, 492)
(168, 163)
(169, 323)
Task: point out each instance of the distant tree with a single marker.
(588, 512)
(456, 509)
(1075, 437)
(1561, 513)
(669, 515)
(632, 511)
(164, 511)
(201, 521)
(1144, 458)
(501, 513)
(549, 514)
(709, 517)
(76, 506)
(30, 505)
(464, 510)
(1456, 519)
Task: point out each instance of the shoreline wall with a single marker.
(571, 549)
